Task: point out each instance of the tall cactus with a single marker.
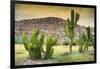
(84, 40)
(51, 41)
(89, 38)
(81, 41)
(34, 43)
(25, 40)
(70, 26)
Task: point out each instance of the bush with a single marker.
(74, 44)
(18, 39)
(65, 43)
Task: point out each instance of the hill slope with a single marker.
(50, 25)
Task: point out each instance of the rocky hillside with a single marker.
(50, 25)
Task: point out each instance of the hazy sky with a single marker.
(26, 11)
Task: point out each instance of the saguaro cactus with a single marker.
(34, 43)
(84, 40)
(81, 41)
(89, 38)
(70, 26)
(51, 41)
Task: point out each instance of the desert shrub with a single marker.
(18, 39)
(66, 43)
(74, 44)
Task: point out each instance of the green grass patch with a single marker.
(61, 54)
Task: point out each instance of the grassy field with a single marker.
(61, 54)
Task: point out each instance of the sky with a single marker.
(32, 11)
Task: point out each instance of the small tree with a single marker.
(70, 26)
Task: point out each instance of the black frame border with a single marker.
(12, 33)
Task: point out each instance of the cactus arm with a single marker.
(40, 40)
(72, 16)
(51, 53)
(76, 19)
(25, 40)
(33, 36)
